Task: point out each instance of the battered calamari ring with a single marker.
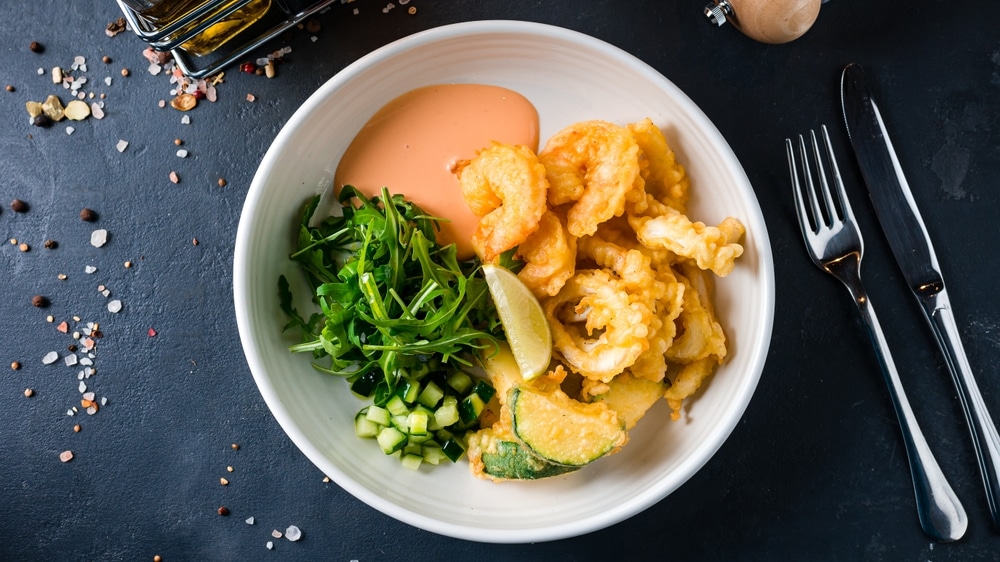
(596, 329)
(593, 165)
(505, 185)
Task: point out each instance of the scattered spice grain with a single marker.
(18, 206)
(24, 247)
(77, 428)
(36, 47)
(223, 481)
(29, 393)
(222, 182)
(174, 178)
(106, 59)
(9, 88)
(66, 456)
(235, 447)
(157, 558)
(223, 511)
(88, 215)
(39, 301)
(51, 244)
(124, 72)
(15, 365)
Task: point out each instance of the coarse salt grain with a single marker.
(96, 110)
(70, 360)
(82, 387)
(249, 520)
(115, 306)
(66, 456)
(50, 358)
(186, 120)
(122, 145)
(270, 545)
(293, 533)
(89, 269)
(182, 153)
(276, 534)
(107, 80)
(98, 237)
(69, 130)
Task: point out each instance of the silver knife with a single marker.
(904, 229)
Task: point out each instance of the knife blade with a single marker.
(907, 235)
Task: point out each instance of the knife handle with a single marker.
(977, 416)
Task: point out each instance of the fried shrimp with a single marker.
(505, 186)
(592, 165)
(549, 256)
(596, 329)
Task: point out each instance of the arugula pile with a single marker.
(395, 305)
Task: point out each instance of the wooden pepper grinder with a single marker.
(767, 21)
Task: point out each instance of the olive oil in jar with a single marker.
(161, 13)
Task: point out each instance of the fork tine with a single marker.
(818, 217)
(802, 213)
(843, 203)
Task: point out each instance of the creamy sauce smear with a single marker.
(413, 143)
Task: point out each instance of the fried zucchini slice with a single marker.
(497, 456)
(562, 430)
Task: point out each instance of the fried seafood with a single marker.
(549, 256)
(711, 247)
(663, 177)
(623, 274)
(597, 328)
(505, 186)
(592, 166)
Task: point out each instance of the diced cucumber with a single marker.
(408, 390)
(400, 423)
(433, 455)
(365, 384)
(391, 440)
(460, 381)
(397, 407)
(364, 427)
(446, 415)
(484, 390)
(452, 449)
(411, 461)
(417, 422)
(470, 408)
(378, 415)
(430, 395)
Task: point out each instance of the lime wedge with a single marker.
(523, 321)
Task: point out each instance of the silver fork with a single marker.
(834, 243)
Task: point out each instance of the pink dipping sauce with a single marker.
(412, 145)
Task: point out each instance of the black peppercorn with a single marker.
(19, 206)
(88, 215)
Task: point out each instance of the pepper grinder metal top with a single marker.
(767, 21)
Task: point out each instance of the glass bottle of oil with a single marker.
(161, 13)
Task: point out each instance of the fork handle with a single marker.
(941, 513)
(937, 309)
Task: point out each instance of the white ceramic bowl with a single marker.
(569, 77)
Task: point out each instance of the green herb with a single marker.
(392, 301)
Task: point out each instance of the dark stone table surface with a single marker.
(814, 471)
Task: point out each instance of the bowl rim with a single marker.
(241, 289)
